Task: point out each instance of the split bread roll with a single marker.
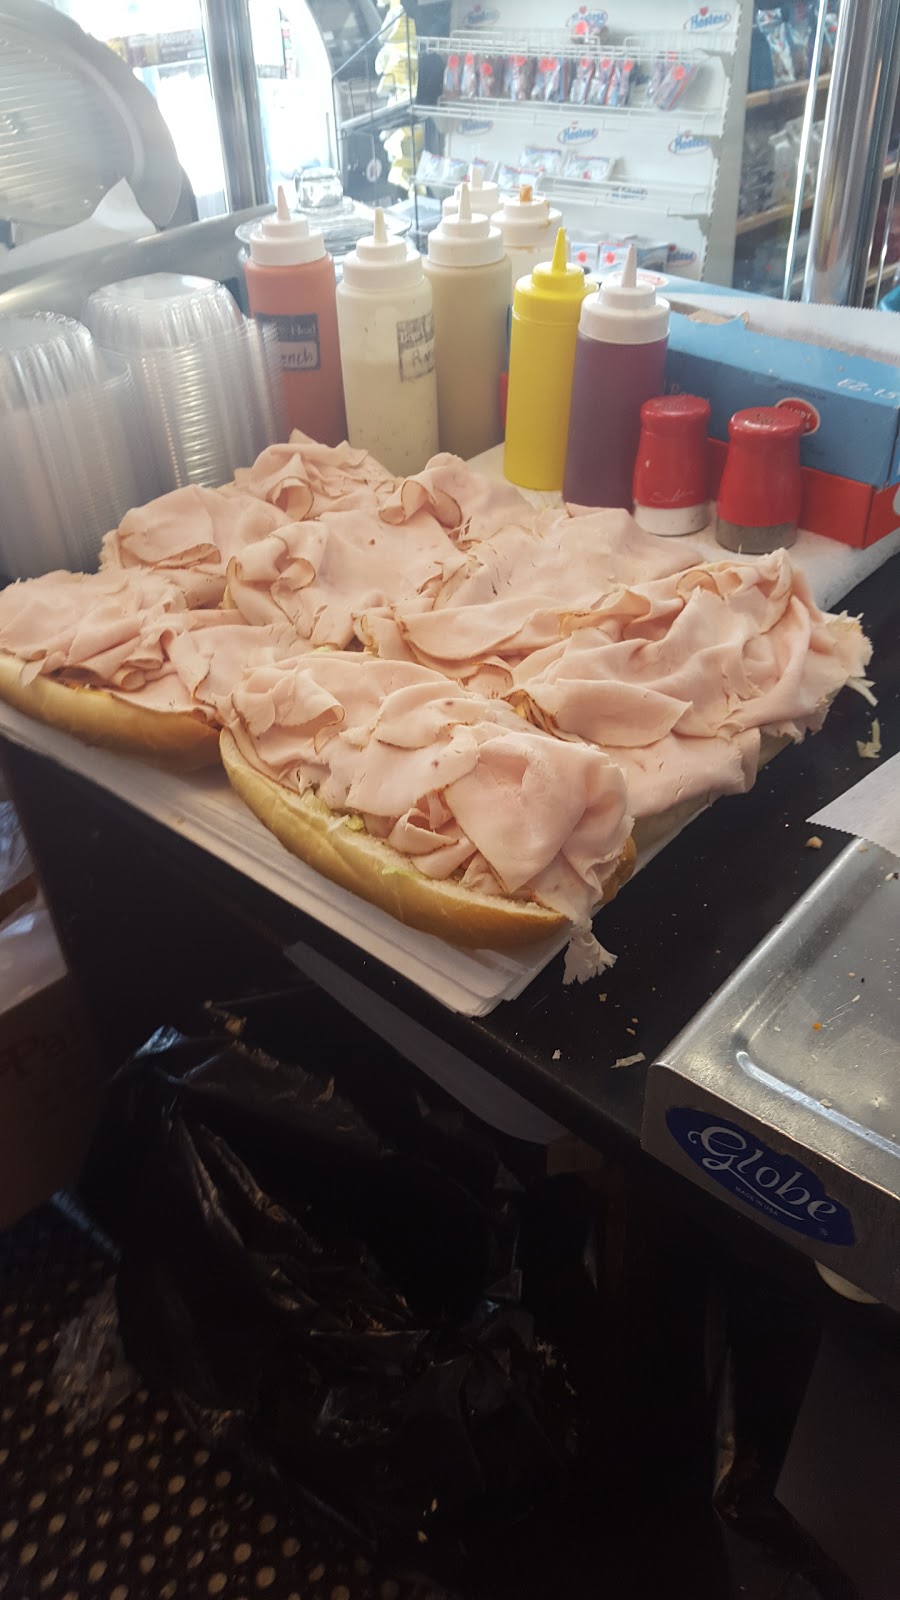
(341, 849)
(178, 740)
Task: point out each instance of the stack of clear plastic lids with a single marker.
(70, 445)
(208, 377)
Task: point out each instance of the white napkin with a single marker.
(871, 809)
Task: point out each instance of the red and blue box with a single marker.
(850, 453)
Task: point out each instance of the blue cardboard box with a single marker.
(819, 360)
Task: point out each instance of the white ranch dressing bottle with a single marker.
(386, 331)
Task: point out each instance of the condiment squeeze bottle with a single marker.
(484, 195)
(291, 287)
(387, 352)
(470, 281)
(620, 358)
(546, 308)
(529, 225)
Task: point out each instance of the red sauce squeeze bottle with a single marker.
(620, 358)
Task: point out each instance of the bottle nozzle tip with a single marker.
(379, 231)
(526, 193)
(465, 203)
(629, 271)
(282, 209)
(560, 252)
(476, 177)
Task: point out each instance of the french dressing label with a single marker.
(415, 347)
(298, 340)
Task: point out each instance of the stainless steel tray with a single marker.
(782, 1097)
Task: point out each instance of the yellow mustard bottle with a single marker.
(546, 309)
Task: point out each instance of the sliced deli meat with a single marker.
(131, 634)
(681, 678)
(189, 536)
(457, 784)
(321, 577)
(303, 478)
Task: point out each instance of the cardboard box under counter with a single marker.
(836, 365)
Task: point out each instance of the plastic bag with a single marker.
(517, 77)
(772, 26)
(327, 1277)
(91, 1376)
(581, 81)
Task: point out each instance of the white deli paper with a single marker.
(870, 810)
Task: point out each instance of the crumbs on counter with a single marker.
(630, 1061)
(813, 843)
(870, 749)
(817, 1027)
(556, 1055)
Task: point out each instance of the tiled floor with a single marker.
(132, 1508)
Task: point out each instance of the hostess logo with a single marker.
(574, 134)
(688, 144)
(770, 1182)
(677, 254)
(478, 17)
(590, 19)
(473, 125)
(704, 20)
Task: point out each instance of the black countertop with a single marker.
(144, 914)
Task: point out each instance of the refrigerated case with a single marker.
(654, 156)
(793, 73)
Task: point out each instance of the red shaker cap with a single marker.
(761, 485)
(675, 413)
(767, 426)
(671, 468)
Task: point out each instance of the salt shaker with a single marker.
(671, 471)
(761, 488)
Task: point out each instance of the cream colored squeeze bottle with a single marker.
(529, 225)
(484, 195)
(388, 352)
(471, 285)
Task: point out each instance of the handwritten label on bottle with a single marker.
(298, 340)
(415, 347)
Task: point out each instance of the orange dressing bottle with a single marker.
(291, 287)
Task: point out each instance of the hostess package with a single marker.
(835, 365)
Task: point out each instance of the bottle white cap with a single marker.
(625, 309)
(382, 264)
(484, 196)
(283, 240)
(526, 219)
(466, 239)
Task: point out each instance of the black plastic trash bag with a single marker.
(341, 1304)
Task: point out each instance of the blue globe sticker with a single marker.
(770, 1182)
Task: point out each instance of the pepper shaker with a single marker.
(761, 489)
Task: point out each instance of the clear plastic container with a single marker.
(44, 357)
(207, 377)
(72, 445)
(164, 310)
